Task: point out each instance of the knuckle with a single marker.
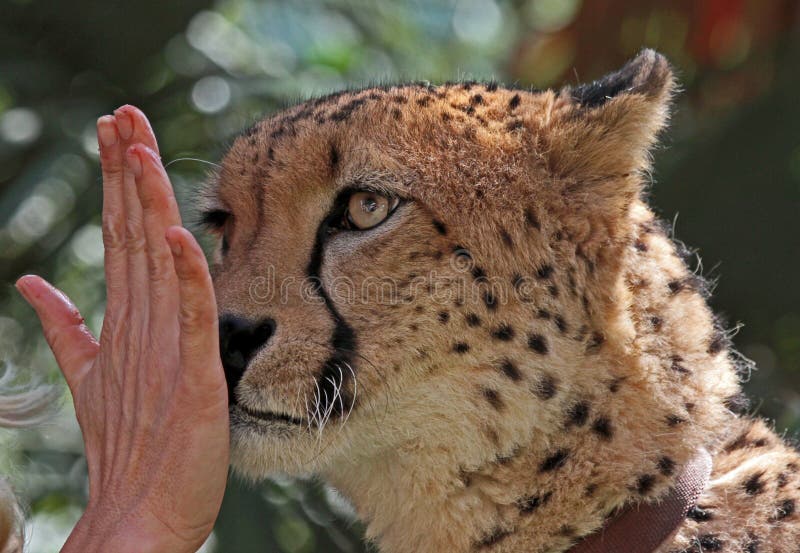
(195, 316)
(110, 164)
(113, 231)
(135, 241)
(159, 270)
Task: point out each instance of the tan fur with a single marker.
(511, 398)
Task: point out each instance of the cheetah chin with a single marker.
(454, 304)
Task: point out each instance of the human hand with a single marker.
(150, 396)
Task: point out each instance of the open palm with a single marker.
(150, 395)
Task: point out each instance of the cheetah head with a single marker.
(397, 265)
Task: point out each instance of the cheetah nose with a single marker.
(239, 340)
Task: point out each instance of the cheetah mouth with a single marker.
(268, 416)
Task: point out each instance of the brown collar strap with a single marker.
(644, 528)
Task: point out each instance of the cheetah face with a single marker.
(322, 279)
(319, 280)
(391, 260)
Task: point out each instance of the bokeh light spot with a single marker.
(33, 219)
(211, 94)
(87, 245)
(20, 126)
(477, 21)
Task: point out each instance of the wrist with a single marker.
(96, 532)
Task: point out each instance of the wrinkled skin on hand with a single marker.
(150, 394)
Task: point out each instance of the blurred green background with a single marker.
(202, 70)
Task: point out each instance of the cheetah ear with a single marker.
(610, 125)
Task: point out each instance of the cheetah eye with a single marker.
(366, 210)
(216, 221)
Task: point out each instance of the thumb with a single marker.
(71, 341)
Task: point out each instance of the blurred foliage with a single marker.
(203, 70)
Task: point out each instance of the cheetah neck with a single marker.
(539, 479)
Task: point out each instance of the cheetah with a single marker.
(454, 304)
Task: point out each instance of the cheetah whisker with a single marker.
(198, 160)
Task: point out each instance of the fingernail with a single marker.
(22, 286)
(176, 248)
(134, 162)
(124, 124)
(106, 132)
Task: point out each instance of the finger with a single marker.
(199, 343)
(135, 240)
(113, 210)
(134, 127)
(159, 211)
(71, 341)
